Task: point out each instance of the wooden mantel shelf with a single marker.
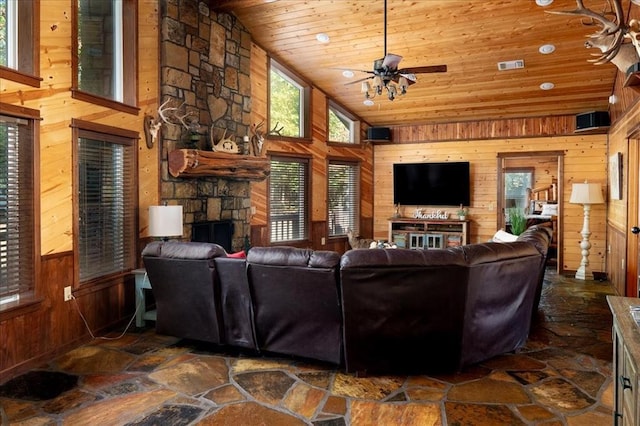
(198, 163)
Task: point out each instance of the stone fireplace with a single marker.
(205, 66)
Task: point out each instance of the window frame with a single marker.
(306, 160)
(356, 194)
(28, 46)
(305, 102)
(344, 114)
(129, 70)
(86, 129)
(32, 294)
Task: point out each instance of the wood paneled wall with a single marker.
(320, 152)
(584, 157)
(35, 333)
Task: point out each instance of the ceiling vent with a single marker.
(511, 65)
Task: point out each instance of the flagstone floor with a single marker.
(561, 377)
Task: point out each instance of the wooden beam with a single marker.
(197, 163)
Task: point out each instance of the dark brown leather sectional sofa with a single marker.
(373, 311)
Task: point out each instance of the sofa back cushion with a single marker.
(402, 309)
(500, 296)
(185, 288)
(295, 294)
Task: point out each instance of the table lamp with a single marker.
(585, 194)
(165, 221)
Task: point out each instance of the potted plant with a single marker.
(517, 221)
(462, 212)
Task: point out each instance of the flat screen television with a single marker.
(431, 184)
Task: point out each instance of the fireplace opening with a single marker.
(219, 232)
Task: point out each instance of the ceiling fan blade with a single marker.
(391, 61)
(358, 81)
(411, 78)
(352, 69)
(424, 69)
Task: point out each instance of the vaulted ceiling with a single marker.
(469, 36)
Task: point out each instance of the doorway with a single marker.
(531, 184)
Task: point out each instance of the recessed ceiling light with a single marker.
(322, 37)
(368, 102)
(347, 73)
(547, 86)
(545, 49)
(543, 3)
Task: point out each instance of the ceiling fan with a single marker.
(385, 73)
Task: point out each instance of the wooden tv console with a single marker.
(413, 233)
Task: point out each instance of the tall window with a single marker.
(344, 197)
(19, 33)
(18, 191)
(105, 43)
(106, 237)
(289, 99)
(288, 199)
(343, 127)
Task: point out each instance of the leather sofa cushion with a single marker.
(291, 256)
(496, 252)
(401, 258)
(183, 250)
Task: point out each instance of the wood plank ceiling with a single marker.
(470, 37)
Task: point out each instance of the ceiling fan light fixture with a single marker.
(403, 83)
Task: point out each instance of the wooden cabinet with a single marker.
(427, 234)
(626, 359)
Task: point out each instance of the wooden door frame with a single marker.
(501, 158)
(633, 212)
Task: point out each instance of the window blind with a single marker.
(344, 197)
(288, 206)
(106, 207)
(16, 208)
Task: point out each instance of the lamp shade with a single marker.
(165, 221)
(586, 193)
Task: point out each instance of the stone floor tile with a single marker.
(193, 376)
(249, 414)
(335, 405)
(365, 387)
(68, 401)
(561, 395)
(120, 410)
(265, 386)
(319, 379)
(225, 394)
(304, 400)
(368, 413)
(490, 391)
(422, 394)
(241, 365)
(94, 360)
(426, 381)
(589, 381)
(174, 415)
(480, 415)
(535, 413)
(591, 419)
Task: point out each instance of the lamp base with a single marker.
(584, 273)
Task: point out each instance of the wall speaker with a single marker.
(379, 134)
(592, 120)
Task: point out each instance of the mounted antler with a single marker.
(257, 140)
(610, 38)
(224, 144)
(276, 130)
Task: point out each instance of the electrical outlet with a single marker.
(323, 241)
(67, 293)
